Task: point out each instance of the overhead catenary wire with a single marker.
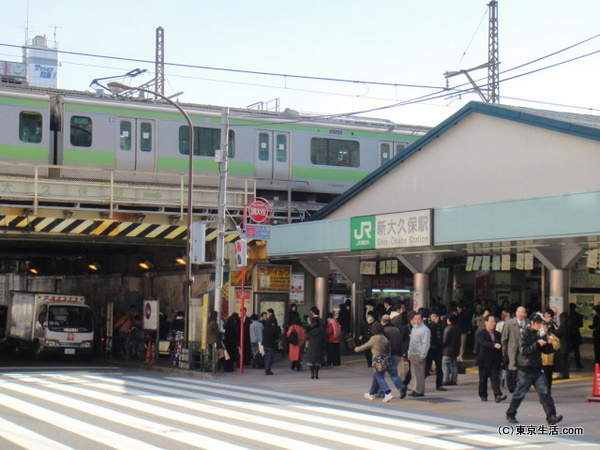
(439, 92)
(225, 69)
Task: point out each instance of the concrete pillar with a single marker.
(559, 293)
(321, 294)
(559, 261)
(421, 291)
(421, 266)
(357, 297)
(320, 270)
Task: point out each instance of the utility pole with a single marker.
(159, 77)
(493, 55)
(220, 256)
(493, 63)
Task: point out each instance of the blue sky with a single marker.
(401, 42)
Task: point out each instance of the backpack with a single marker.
(293, 337)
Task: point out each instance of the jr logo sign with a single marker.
(363, 232)
(394, 230)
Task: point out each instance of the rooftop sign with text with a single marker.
(396, 230)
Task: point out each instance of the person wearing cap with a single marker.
(529, 371)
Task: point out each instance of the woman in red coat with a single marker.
(296, 338)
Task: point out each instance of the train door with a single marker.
(389, 149)
(136, 144)
(272, 157)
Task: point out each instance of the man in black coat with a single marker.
(489, 359)
(435, 349)
(530, 372)
(450, 350)
(576, 324)
(270, 336)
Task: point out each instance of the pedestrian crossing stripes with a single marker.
(112, 410)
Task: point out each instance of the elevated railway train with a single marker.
(313, 158)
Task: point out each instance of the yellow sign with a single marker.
(271, 277)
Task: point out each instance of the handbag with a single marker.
(350, 344)
(381, 363)
(293, 337)
(462, 367)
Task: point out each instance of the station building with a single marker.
(497, 203)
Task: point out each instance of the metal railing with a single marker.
(36, 185)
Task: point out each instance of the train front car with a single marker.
(25, 135)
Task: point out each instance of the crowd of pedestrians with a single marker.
(515, 348)
(523, 349)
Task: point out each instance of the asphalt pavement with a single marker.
(352, 379)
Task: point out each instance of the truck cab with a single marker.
(54, 324)
(64, 328)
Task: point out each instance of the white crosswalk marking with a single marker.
(260, 407)
(26, 438)
(76, 426)
(147, 412)
(210, 424)
(191, 439)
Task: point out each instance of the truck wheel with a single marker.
(38, 352)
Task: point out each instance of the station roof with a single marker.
(585, 126)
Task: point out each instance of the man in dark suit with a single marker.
(489, 359)
(576, 324)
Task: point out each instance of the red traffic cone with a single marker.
(596, 386)
(149, 354)
(152, 353)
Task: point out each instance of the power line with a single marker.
(440, 92)
(242, 71)
(472, 38)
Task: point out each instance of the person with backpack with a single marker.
(296, 337)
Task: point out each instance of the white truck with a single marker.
(49, 324)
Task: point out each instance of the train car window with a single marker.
(206, 141)
(125, 135)
(263, 147)
(81, 131)
(231, 152)
(30, 127)
(334, 152)
(281, 146)
(209, 140)
(146, 137)
(385, 153)
(400, 146)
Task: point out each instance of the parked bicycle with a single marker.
(177, 348)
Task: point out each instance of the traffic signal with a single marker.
(241, 252)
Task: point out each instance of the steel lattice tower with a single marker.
(493, 55)
(159, 80)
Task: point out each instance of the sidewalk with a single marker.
(352, 379)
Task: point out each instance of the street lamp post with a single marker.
(117, 87)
